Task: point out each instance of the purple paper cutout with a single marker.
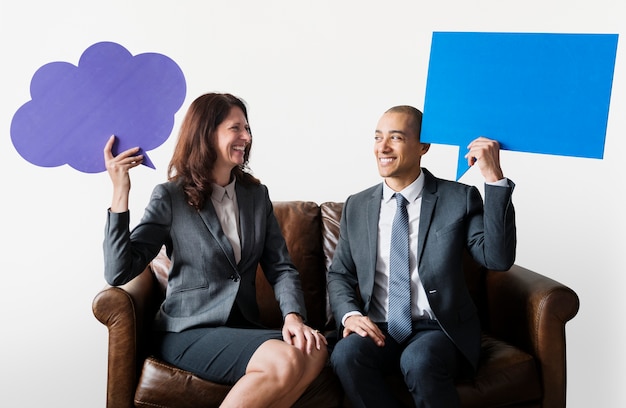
(75, 109)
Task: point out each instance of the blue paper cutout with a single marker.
(533, 92)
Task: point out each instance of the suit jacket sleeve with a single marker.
(126, 255)
(278, 267)
(492, 238)
(342, 276)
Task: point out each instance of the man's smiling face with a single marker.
(398, 149)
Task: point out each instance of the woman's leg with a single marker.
(276, 376)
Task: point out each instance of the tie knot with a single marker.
(400, 200)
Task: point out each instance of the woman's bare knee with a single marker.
(285, 364)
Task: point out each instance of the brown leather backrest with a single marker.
(331, 217)
(300, 222)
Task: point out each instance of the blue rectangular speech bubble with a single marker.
(533, 92)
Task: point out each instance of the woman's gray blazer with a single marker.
(204, 281)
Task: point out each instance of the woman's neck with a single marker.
(222, 178)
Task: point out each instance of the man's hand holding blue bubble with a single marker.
(486, 154)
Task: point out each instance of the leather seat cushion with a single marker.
(506, 374)
(165, 386)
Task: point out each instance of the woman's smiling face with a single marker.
(232, 137)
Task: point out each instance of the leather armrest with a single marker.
(530, 311)
(123, 310)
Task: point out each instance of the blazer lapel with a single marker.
(372, 213)
(245, 202)
(209, 217)
(429, 200)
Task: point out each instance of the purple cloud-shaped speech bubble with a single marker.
(75, 109)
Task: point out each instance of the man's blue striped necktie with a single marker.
(399, 313)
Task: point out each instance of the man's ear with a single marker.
(424, 147)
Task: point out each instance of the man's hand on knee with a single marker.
(364, 327)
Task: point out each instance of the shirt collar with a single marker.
(220, 192)
(411, 192)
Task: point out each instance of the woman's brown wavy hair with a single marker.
(195, 153)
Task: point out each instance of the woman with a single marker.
(217, 223)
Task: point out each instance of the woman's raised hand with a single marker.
(118, 167)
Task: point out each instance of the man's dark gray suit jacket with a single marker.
(453, 218)
(204, 280)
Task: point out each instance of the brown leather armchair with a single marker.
(523, 315)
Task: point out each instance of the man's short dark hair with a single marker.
(414, 113)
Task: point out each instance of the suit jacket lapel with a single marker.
(429, 200)
(245, 202)
(209, 217)
(372, 216)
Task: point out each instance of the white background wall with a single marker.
(317, 76)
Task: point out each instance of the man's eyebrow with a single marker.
(401, 132)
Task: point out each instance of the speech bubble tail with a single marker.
(146, 160)
(462, 166)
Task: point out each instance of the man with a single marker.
(440, 338)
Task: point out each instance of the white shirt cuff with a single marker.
(343, 319)
(501, 183)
